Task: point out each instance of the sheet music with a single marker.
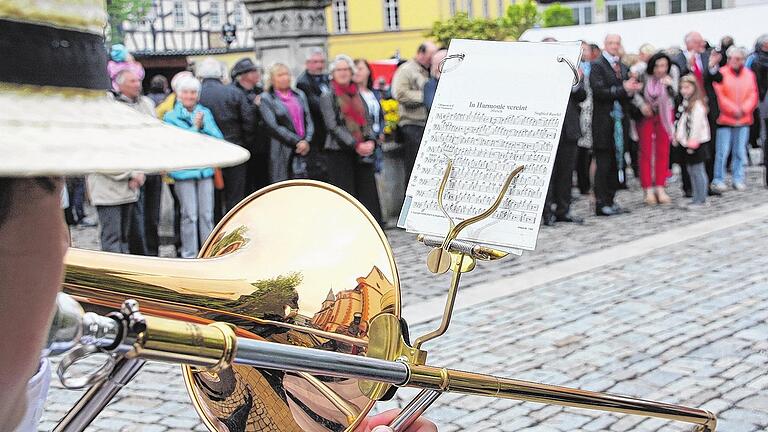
(502, 106)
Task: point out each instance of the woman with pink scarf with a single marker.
(656, 128)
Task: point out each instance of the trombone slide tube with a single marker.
(470, 383)
(269, 355)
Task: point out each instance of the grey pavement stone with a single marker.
(473, 417)
(516, 425)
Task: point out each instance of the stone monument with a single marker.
(286, 30)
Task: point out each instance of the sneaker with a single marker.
(741, 187)
(86, 223)
(720, 187)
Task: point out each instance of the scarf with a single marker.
(351, 106)
(295, 110)
(655, 93)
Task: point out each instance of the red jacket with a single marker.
(734, 92)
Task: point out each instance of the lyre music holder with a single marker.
(459, 256)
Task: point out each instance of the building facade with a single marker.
(598, 11)
(381, 29)
(183, 31)
(189, 26)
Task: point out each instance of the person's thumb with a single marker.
(382, 428)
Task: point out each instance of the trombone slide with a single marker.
(215, 346)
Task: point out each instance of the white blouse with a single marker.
(374, 109)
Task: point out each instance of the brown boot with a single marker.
(662, 196)
(650, 197)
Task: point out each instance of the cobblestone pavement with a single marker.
(687, 324)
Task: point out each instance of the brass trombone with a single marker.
(288, 321)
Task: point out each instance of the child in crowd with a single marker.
(692, 130)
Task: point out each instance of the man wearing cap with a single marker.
(234, 115)
(246, 77)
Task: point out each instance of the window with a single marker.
(214, 14)
(696, 5)
(486, 10)
(582, 12)
(391, 15)
(179, 14)
(619, 10)
(340, 23)
(630, 11)
(502, 12)
(678, 6)
(452, 7)
(238, 13)
(650, 9)
(468, 6)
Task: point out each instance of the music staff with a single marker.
(508, 120)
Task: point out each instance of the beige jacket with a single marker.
(111, 189)
(408, 89)
(698, 123)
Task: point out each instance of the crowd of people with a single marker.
(695, 107)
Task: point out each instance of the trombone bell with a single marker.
(299, 263)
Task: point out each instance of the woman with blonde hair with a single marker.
(285, 113)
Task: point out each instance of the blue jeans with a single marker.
(733, 141)
(196, 199)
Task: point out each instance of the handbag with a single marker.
(218, 179)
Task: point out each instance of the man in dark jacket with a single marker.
(705, 66)
(612, 90)
(559, 193)
(246, 77)
(234, 115)
(313, 82)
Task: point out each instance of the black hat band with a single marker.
(39, 55)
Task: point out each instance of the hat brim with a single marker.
(46, 133)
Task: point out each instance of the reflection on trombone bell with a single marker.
(287, 322)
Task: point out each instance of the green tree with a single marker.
(120, 11)
(557, 15)
(520, 17)
(461, 26)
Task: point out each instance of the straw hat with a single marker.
(56, 117)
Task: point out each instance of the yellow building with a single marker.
(381, 29)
